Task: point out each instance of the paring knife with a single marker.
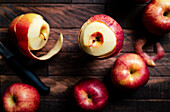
(44, 90)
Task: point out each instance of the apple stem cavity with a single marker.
(132, 71)
(89, 96)
(166, 13)
(14, 99)
(150, 60)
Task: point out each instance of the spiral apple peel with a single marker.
(31, 32)
(150, 60)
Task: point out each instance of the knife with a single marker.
(44, 90)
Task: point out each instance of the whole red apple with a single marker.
(20, 97)
(156, 17)
(101, 36)
(90, 94)
(129, 72)
(31, 32)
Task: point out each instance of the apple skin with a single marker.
(31, 32)
(129, 72)
(95, 89)
(18, 31)
(114, 26)
(154, 19)
(26, 98)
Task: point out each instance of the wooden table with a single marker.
(69, 66)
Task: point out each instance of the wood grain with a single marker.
(74, 15)
(57, 15)
(89, 1)
(116, 106)
(62, 86)
(127, 15)
(35, 1)
(80, 64)
(73, 64)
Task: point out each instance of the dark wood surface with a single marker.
(70, 65)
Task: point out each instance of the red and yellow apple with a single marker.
(129, 72)
(150, 60)
(20, 97)
(90, 94)
(31, 32)
(101, 36)
(156, 17)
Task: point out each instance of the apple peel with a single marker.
(31, 32)
(57, 47)
(150, 60)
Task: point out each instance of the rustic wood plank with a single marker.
(63, 105)
(35, 1)
(128, 2)
(127, 15)
(80, 64)
(115, 106)
(89, 1)
(62, 86)
(57, 15)
(74, 15)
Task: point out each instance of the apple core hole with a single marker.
(96, 39)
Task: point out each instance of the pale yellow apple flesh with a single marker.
(38, 34)
(103, 44)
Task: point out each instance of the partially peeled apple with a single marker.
(101, 36)
(31, 32)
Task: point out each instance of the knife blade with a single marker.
(35, 81)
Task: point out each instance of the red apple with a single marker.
(90, 94)
(20, 97)
(129, 72)
(156, 17)
(101, 36)
(30, 32)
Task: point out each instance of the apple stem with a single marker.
(43, 36)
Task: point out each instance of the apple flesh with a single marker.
(90, 94)
(31, 32)
(156, 17)
(129, 72)
(101, 36)
(20, 97)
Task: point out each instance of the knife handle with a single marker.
(44, 90)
